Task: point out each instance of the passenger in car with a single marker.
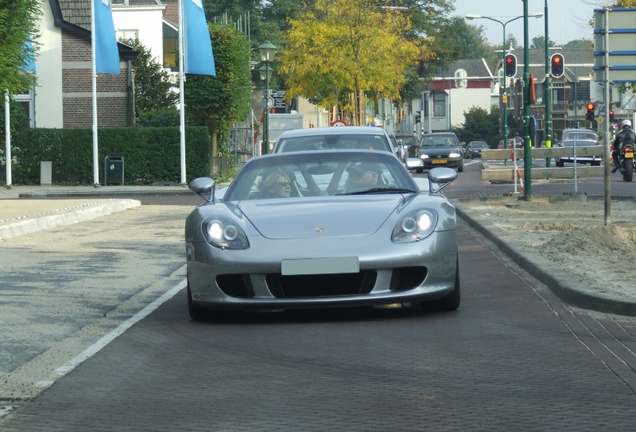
(277, 185)
(362, 177)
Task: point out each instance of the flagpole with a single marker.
(181, 97)
(7, 134)
(94, 91)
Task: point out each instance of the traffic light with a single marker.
(612, 116)
(590, 112)
(510, 65)
(557, 65)
(418, 116)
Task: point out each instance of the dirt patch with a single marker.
(572, 235)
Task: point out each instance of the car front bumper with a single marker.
(259, 268)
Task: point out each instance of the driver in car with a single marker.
(362, 177)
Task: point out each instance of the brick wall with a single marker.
(112, 110)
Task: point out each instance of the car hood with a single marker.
(334, 217)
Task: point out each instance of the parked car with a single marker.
(583, 138)
(321, 245)
(328, 138)
(474, 148)
(440, 149)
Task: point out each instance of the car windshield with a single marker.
(582, 136)
(408, 140)
(478, 144)
(332, 141)
(321, 173)
(440, 141)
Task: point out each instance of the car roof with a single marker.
(343, 130)
(579, 130)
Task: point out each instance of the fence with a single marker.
(507, 173)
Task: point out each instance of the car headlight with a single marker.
(423, 156)
(454, 155)
(224, 234)
(415, 226)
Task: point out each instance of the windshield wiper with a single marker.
(380, 190)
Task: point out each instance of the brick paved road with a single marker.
(512, 358)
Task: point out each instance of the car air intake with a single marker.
(328, 285)
(406, 278)
(236, 285)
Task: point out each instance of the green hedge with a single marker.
(150, 154)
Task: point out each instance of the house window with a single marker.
(439, 105)
(25, 100)
(462, 82)
(127, 34)
(170, 47)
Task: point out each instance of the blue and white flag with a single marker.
(106, 51)
(196, 38)
(29, 65)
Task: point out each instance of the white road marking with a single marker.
(97, 346)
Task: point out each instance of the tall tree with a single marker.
(152, 86)
(348, 46)
(18, 22)
(456, 40)
(538, 42)
(219, 101)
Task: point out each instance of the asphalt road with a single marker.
(513, 357)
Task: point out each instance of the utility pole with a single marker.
(527, 160)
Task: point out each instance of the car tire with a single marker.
(197, 313)
(419, 170)
(450, 301)
(460, 168)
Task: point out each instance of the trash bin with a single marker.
(113, 170)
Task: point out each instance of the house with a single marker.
(454, 90)
(62, 97)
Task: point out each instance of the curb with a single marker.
(102, 194)
(68, 217)
(564, 286)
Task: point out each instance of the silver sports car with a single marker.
(322, 229)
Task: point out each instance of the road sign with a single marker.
(620, 40)
(600, 120)
(504, 98)
(339, 123)
(270, 102)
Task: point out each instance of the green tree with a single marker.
(579, 44)
(18, 22)
(152, 86)
(217, 102)
(457, 40)
(538, 42)
(479, 124)
(348, 46)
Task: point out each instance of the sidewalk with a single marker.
(25, 209)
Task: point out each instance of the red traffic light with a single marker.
(509, 60)
(510, 66)
(590, 107)
(557, 65)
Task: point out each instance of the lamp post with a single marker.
(503, 67)
(267, 51)
(547, 96)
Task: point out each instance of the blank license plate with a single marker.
(320, 266)
(440, 161)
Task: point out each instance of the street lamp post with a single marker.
(267, 51)
(503, 68)
(547, 96)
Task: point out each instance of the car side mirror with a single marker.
(204, 187)
(442, 177)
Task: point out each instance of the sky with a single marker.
(568, 19)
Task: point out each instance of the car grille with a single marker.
(329, 285)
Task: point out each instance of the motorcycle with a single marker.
(626, 162)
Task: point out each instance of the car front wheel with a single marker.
(197, 313)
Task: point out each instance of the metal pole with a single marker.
(548, 91)
(505, 88)
(265, 148)
(181, 96)
(94, 101)
(527, 161)
(608, 183)
(7, 134)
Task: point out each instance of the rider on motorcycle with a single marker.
(625, 136)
